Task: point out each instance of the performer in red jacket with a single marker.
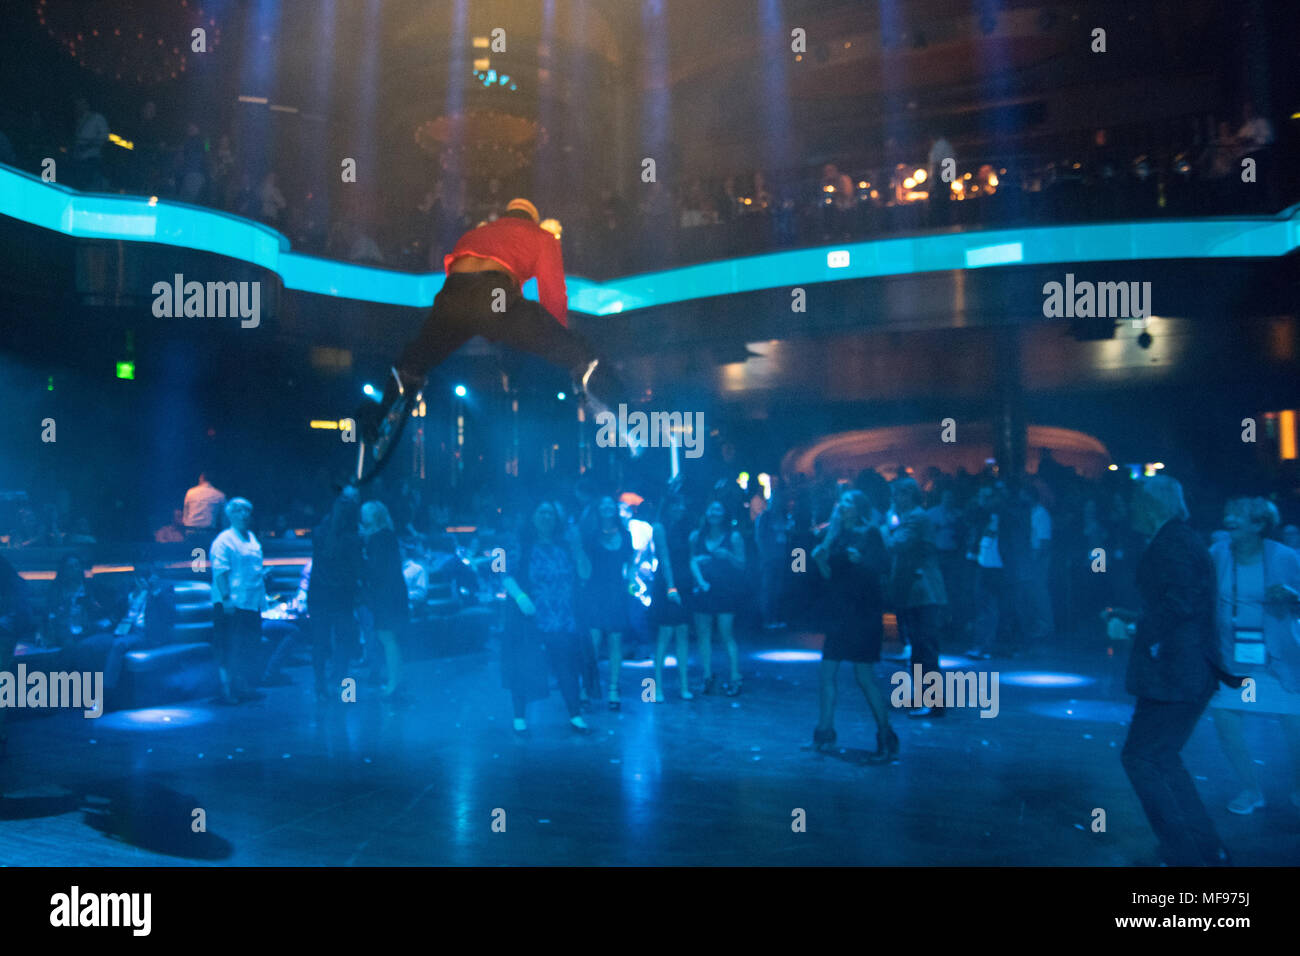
(481, 296)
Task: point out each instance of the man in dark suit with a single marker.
(1173, 670)
(916, 584)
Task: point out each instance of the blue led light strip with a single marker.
(96, 216)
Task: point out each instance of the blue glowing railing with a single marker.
(96, 216)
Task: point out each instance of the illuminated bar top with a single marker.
(136, 219)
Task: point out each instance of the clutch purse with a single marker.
(1248, 646)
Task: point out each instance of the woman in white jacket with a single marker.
(1259, 632)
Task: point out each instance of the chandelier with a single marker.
(148, 42)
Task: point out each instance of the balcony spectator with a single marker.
(149, 143)
(1256, 131)
(89, 136)
(191, 174)
(272, 201)
(221, 171)
(940, 191)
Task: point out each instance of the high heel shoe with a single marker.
(732, 687)
(823, 740)
(710, 685)
(886, 747)
(686, 694)
(614, 704)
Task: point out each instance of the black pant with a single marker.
(464, 309)
(1158, 732)
(771, 592)
(989, 602)
(564, 654)
(333, 643)
(921, 628)
(239, 636)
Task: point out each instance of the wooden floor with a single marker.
(287, 782)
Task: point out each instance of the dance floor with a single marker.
(717, 780)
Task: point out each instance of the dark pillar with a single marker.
(1010, 427)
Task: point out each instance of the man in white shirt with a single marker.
(238, 597)
(203, 503)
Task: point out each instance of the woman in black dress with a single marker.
(609, 547)
(542, 582)
(667, 613)
(384, 587)
(332, 591)
(717, 566)
(852, 560)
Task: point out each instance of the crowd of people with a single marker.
(1192, 166)
(966, 562)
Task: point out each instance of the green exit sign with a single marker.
(126, 370)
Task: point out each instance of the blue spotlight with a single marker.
(1101, 711)
(561, 396)
(786, 656)
(370, 391)
(156, 718)
(1045, 679)
(669, 661)
(460, 391)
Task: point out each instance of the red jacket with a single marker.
(525, 251)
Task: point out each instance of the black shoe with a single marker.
(823, 740)
(615, 705)
(732, 687)
(886, 747)
(368, 417)
(710, 686)
(381, 424)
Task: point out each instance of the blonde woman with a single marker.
(384, 587)
(1259, 637)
